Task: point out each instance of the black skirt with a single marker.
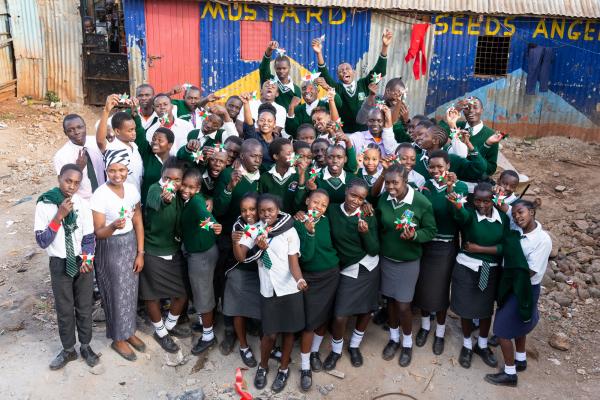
(283, 314)
(357, 296)
(161, 279)
(433, 286)
(242, 294)
(466, 299)
(320, 296)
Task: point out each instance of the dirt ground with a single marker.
(29, 338)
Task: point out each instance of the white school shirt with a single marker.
(536, 246)
(136, 165)
(105, 201)
(280, 117)
(369, 262)
(474, 263)
(44, 213)
(68, 155)
(416, 178)
(180, 129)
(278, 279)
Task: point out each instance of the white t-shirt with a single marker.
(180, 129)
(254, 104)
(279, 278)
(106, 202)
(136, 165)
(45, 212)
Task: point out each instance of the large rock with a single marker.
(596, 278)
(582, 225)
(196, 394)
(594, 292)
(559, 341)
(561, 298)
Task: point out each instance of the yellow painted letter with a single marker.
(457, 24)
(541, 29)
(230, 11)
(570, 33)
(213, 9)
(250, 13)
(558, 28)
(488, 26)
(440, 24)
(588, 30)
(471, 25)
(510, 28)
(337, 21)
(289, 12)
(317, 15)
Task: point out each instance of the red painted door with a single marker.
(173, 47)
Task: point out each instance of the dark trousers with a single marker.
(539, 61)
(73, 299)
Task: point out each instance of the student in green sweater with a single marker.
(282, 65)
(298, 114)
(355, 238)
(199, 230)
(476, 272)
(433, 287)
(371, 170)
(154, 155)
(405, 219)
(163, 275)
(333, 178)
(320, 268)
(306, 133)
(187, 109)
(407, 155)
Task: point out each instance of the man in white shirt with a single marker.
(180, 127)
(268, 94)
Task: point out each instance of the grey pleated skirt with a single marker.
(433, 286)
(466, 299)
(357, 296)
(161, 279)
(201, 272)
(242, 294)
(118, 284)
(399, 278)
(283, 314)
(319, 298)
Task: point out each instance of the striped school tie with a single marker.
(484, 275)
(266, 259)
(72, 268)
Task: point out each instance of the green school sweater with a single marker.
(392, 246)
(285, 94)
(196, 239)
(183, 112)
(400, 133)
(442, 208)
(470, 169)
(207, 141)
(152, 165)
(286, 189)
(316, 251)
(351, 103)
(489, 153)
(302, 117)
(337, 193)
(226, 204)
(483, 233)
(161, 223)
(361, 174)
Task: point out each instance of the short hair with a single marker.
(269, 197)
(172, 163)
(249, 195)
(395, 82)
(299, 145)
(249, 144)
(144, 86)
(398, 169)
(235, 139)
(319, 109)
(71, 117)
(358, 182)
(319, 191)
(405, 145)
(424, 124)
(161, 95)
(119, 119)
(439, 133)
(267, 107)
(529, 204)
(336, 147)
(193, 173)
(70, 167)
(419, 118)
(376, 110)
(276, 145)
(440, 154)
(233, 97)
(167, 132)
(509, 172)
(484, 187)
(284, 59)
(192, 89)
(317, 141)
(305, 126)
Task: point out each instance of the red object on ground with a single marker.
(239, 386)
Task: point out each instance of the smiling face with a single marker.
(248, 210)
(355, 197)
(192, 98)
(375, 122)
(309, 93)
(407, 157)
(336, 158)
(217, 163)
(69, 182)
(522, 215)
(233, 106)
(189, 187)
(268, 211)
(371, 158)
(283, 157)
(320, 120)
(266, 122)
(472, 112)
(345, 73)
(117, 174)
(317, 201)
(424, 138)
(173, 175)
(268, 92)
(75, 131)
(211, 124)
(395, 185)
(392, 95)
(160, 144)
(305, 156)
(509, 184)
(437, 167)
(319, 151)
(482, 199)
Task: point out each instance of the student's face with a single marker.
(395, 185)
(305, 157)
(307, 135)
(336, 158)
(252, 158)
(233, 152)
(509, 184)
(248, 211)
(309, 93)
(283, 157)
(483, 202)
(160, 144)
(144, 96)
(407, 157)
(163, 106)
(282, 70)
(355, 197)
(69, 182)
(189, 187)
(522, 215)
(266, 122)
(174, 175)
(410, 128)
(233, 107)
(371, 161)
(117, 173)
(437, 167)
(211, 124)
(424, 138)
(473, 112)
(217, 163)
(75, 131)
(317, 201)
(320, 121)
(127, 131)
(393, 95)
(191, 99)
(268, 92)
(268, 211)
(88, 26)
(345, 73)
(319, 151)
(375, 122)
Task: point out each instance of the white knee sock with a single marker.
(482, 342)
(426, 323)
(357, 337)
(160, 329)
(510, 369)
(440, 330)
(406, 340)
(207, 333)
(395, 334)
(520, 356)
(171, 321)
(468, 343)
(316, 343)
(337, 345)
(305, 361)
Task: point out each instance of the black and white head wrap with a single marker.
(118, 156)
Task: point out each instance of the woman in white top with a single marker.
(119, 252)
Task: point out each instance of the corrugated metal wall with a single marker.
(7, 65)
(135, 29)
(47, 45)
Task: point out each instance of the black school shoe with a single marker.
(405, 357)
(248, 358)
(493, 341)
(390, 349)
(62, 359)
(521, 365)
(305, 379)
(203, 345)
(356, 359)
(167, 343)
(228, 342)
(91, 358)
(315, 361)
(465, 357)
(181, 331)
(438, 345)
(331, 361)
(280, 381)
(421, 338)
(502, 379)
(260, 379)
(276, 354)
(487, 355)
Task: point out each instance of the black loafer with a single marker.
(305, 380)
(520, 365)
(487, 355)
(228, 342)
(203, 345)
(493, 341)
(405, 356)
(260, 379)
(438, 345)
(89, 356)
(167, 343)
(331, 361)
(315, 361)
(197, 327)
(181, 331)
(280, 381)
(128, 356)
(356, 359)
(502, 379)
(421, 338)
(62, 359)
(276, 354)
(248, 358)
(390, 349)
(465, 357)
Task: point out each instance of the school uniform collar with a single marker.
(250, 176)
(279, 178)
(356, 212)
(285, 87)
(212, 135)
(511, 199)
(375, 175)
(495, 216)
(118, 144)
(208, 180)
(159, 159)
(327, 175)
(408, 198)
(350, 88)
(476, 129)
(437, 185)
(310, 107)
(424, 156)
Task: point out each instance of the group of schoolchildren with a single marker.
(291, 214)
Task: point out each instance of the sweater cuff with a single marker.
(54, 226)
(486, 146)
(321, 65)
